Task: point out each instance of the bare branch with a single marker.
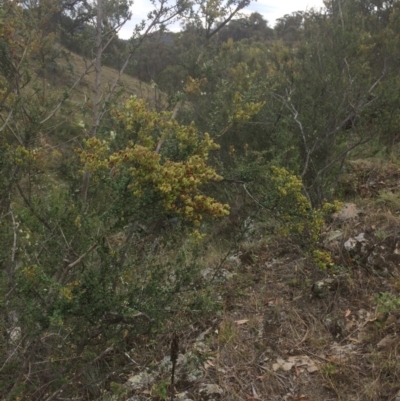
(173, 117)
(240, 6)
(254, 199)
(6, 121)
(15, 226)
(63, 273)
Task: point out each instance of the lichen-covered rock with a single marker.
(182, 397)
(140, 381)
(210, 391)
(321, 288)
(381, 256)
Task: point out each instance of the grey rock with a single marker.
(208, 390)
(182, 397)
(221, 275)
(201, 348)
(186, 364)
(142, 380)
(321, 288)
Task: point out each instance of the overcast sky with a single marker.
(270, 9)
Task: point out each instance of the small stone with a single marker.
(321, 288)
(386, 342)
(350, 244)
(142, 380)
(360, 237)
(207, 273)
(211, 389)
(201, 348)
(182, 397)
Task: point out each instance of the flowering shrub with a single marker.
(281, 194)
(165, 161)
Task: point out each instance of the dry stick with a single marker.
(254, 199)
(240, 6)
(70, 266)
(316, 356)
(12, 353)
(305, 335)
(22, 371)
(11, 269)
(6, 122)
(343, 155)
(295, 115)
(224, 130)
(98, 66)
(14, 248)
(341, 14)
(173, 117)
(68, 244)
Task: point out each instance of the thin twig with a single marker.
(15, 226)
(254, 199)
(12, 354)
(71, 265)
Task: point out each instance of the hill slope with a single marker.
(69, 67)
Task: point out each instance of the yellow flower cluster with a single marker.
(177, 182)
(330, 208)
(290, 186)
(244, 111)
(31, 273)
(193, 85)
(66, 292)
(323, 259)
(294, 207)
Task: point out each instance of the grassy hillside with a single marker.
(67, 68)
